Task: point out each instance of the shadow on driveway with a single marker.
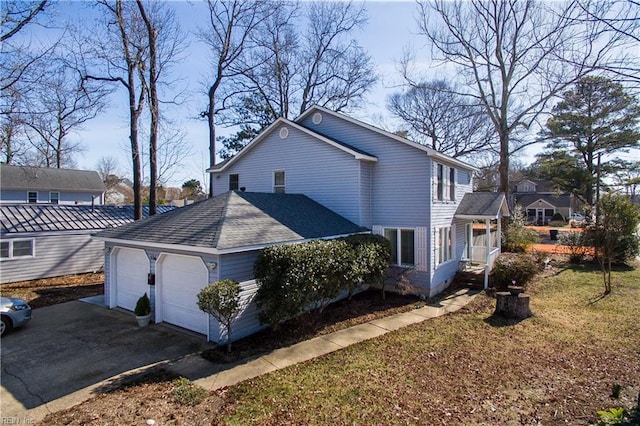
(70, 346)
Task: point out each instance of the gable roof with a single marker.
(237, 220)
(525, 200)
(482, 205)
(430, 151)
(357, 153)
(24, 218)
(47, 179)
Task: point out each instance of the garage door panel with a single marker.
(182, 277)
(132, 267)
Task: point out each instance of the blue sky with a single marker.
(391, 29)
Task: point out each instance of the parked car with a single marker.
(14, 313)
(576, 220)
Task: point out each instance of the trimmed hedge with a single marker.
(296, 277)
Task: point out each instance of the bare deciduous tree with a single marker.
(439, 117)
(228, 36)
(289, 69)
(59, 105)
(515, 56)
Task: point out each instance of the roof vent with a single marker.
(284, 132)
(317, 118)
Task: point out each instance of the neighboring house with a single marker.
(374, 181)
(35, 185)
(540, 201)
(43, 240)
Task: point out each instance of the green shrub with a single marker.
(143, 306)
(577, 245)
(296, 277)
(221, 299)
(516, 237)
(557, 216)
(186, 393)
(514, 269)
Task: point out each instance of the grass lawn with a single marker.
(557, 367)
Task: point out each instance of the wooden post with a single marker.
(487, 254)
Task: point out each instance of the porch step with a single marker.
(473, 278)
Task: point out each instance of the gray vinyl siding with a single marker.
(66, 197)
(55, 255)
(366, 202)
(238, 266)
(314, 168)
(247, 322)
(400, 178)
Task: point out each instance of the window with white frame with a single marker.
(402, 246)
(278, 181)
(445, 178)
(14, 249)
(234, 182)
(54, 197)
(444, 245)
(32, 197)
(452, 184)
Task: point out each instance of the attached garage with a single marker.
(213, 239)
(129, 268)
(178, 280)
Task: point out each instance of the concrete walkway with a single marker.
(192, 367)
(211, 376)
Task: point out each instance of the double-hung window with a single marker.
(54, 197)
(278, 182)
(234, 182)
(445, 183)
(444, 245)
(32, 197)
(402, 246)
(12, 249)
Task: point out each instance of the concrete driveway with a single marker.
(75, 345)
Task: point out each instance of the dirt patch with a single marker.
(50, 291)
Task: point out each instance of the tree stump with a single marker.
(512, 306)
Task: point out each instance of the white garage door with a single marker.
(131, 269)
(180, 278)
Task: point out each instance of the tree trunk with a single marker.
(212, 135)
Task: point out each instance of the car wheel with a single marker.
(5, 325)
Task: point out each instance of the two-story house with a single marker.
(323, 175)
(40, 185)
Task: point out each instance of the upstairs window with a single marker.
(278, 182)
(234, 182)
(445, 183)
(32, 197)
(452, 184)
(54, 197)
(440, 182)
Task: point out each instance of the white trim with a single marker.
(357, 155)
(196, 250)
(283, 186)
(398, 260)
(11, 242)
(37, 196)
(58, 199)
(430, 151)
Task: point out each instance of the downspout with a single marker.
(487, 254)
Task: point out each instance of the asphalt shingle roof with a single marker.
(48, 179)
(239, 219)
(18, 218)
(485, 204)
(562, 200)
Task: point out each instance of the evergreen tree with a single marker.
(597, 117)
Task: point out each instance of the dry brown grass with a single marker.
(49, 291)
